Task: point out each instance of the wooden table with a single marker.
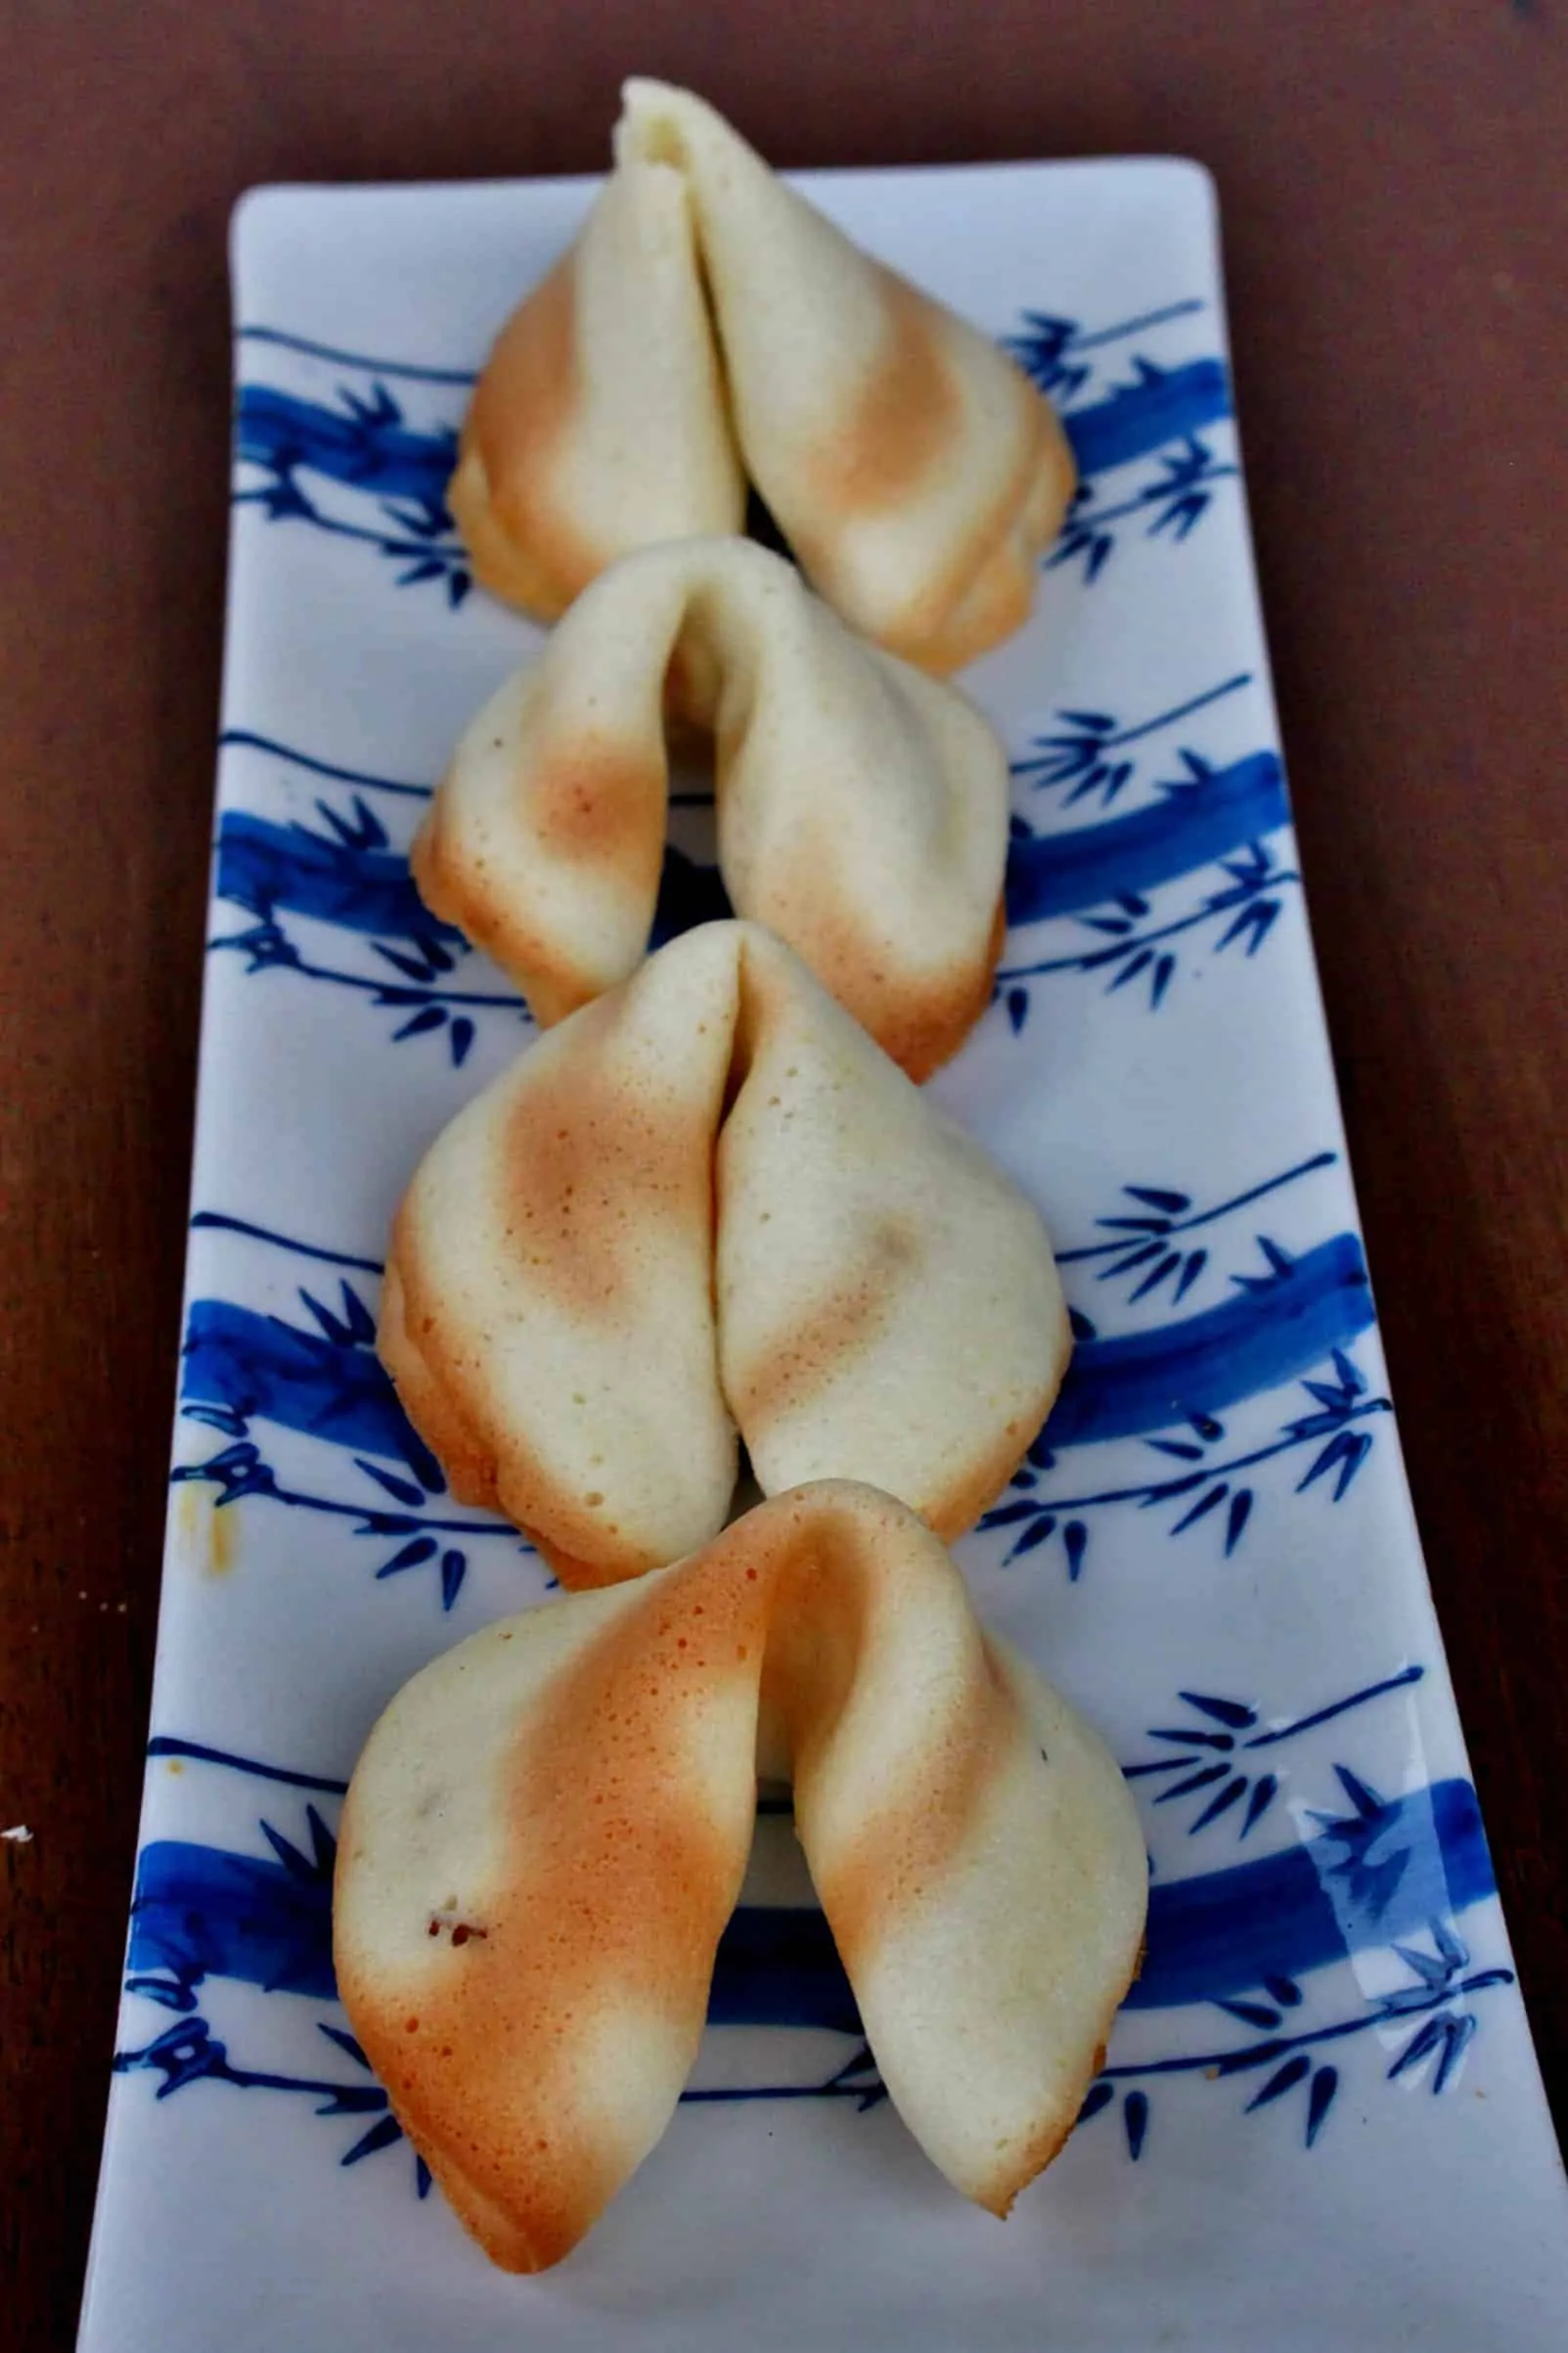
(1397, 225)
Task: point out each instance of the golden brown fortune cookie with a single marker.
(861, 806)
(707, 1203)
(710, 325)
(548, 1827)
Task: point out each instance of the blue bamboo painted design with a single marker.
(347, 875)
(1147, 1236)
(1162, 412)
(363, 444)
(239, 1366)
(1210, 818)
(350, 877)
(1215, 1753)
(1061, 355)
(1213, 1481)
(1203, 1471)
(1195, 822)
(1238, 1940)
(1159, 406)
(1088, 750)
(1279, 1324)
(1367, 1880)
(327, 1384)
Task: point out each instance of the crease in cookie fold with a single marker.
(709, 1209)
(547, 1831)
(861, 806)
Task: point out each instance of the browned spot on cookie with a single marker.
(901, 1853)
(505, 492)
(821, 1338)
(597, 1176)
(986, 588)
(439, 1389)
(903, 421)
(918, 1018)
(603, 804)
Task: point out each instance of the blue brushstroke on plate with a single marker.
(1160, 405)
(1277, 1326)
(360, 886)
(364, 445)
(1380, 1875)
(1192, 825)
(250, 1364)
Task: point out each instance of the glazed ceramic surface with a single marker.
(1320, 2123)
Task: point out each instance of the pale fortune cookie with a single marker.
(861, 806)
(547, 1831)
(707, 1203)
(914, 470)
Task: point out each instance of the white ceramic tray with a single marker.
(1321, 2123)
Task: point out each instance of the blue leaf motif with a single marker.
(343, 2040)
(404, 1490)
(1160, 1197)
(381, 2135)
(431, 1017)
(1284, 2079)
(1252, 2013)
(1220, 1803)
(1320, 2100)
(1431, 1969)
(1367, 1802)
(1265, 1789)
(413, 1554)
(1237, 1518)
(1032, 1537)
(1232, 1712)
(1200, 1779)
(1131, 969)
(1167, 1264)
(1005, 1515)
(1202, 1508)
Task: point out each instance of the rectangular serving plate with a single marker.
(1321, 2121)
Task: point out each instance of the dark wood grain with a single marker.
(1396, 221)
